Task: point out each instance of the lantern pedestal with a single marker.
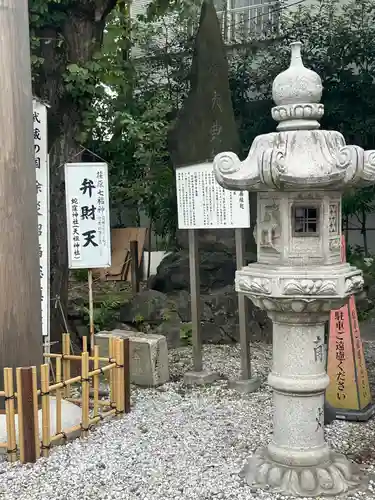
(298, 461)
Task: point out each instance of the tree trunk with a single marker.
(73, 41)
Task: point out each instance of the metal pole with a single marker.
(195, 300)
(20, 311)
(243, 316)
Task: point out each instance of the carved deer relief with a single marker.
(270, 227)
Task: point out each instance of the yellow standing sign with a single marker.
(348, 394)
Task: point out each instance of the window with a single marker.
(305, 221)
(244, 19)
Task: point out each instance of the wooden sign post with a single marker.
(196, 305)
(348, 396)
(88, 224)
(203, 204)
(247, 383)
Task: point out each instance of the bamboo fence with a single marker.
(24, 403)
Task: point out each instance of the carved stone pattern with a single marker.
(335, 244)
(298, 111)
(227, 163)
(332, 478)
(321, 305)
(255, 285)
(354, 284)
(333, 219)
(270, 227)
(368, 175)
(310, 287)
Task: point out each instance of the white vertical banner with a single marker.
(42, 189)
(87, 214)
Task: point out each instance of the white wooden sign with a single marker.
(87, 211)
(203, 204)
(42, 189)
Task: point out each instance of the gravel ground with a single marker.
(178, 443)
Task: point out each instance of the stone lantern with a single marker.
(299, 173)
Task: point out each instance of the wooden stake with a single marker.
(134, 266)
(84, 343)
(9, 409)
(26, 415)
(195, 300)
(85, 394)
(36, 412)
(243, 310)
(112, 396)
(118, 376)
(126, 374)
(46, 432)
(66, 362)
(21, 442)
(91, 312)
(96, 381)
(58, 396)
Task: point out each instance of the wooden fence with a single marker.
(24, 403)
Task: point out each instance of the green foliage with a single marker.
(80, 275)
(356, 256)
(186, 333)
(105, 316)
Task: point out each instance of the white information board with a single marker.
(87, 213)
(202, 203)
(42, 189)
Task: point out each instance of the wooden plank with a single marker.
(26, 415)
(10, 415)
(134, 266)
(126, 374)
(140, 235)
(120, 242)
(119, 254)
(132, 235)
(46, 423)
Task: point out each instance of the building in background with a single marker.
(241, 19)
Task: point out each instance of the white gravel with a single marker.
(178, 443)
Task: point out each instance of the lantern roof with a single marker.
(299, 155)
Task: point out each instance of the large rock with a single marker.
(216, 269)
(171, 316)
(150, 307)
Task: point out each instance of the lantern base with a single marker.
(333, 477)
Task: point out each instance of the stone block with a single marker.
(148, 356)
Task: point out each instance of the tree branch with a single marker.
(103, 8)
